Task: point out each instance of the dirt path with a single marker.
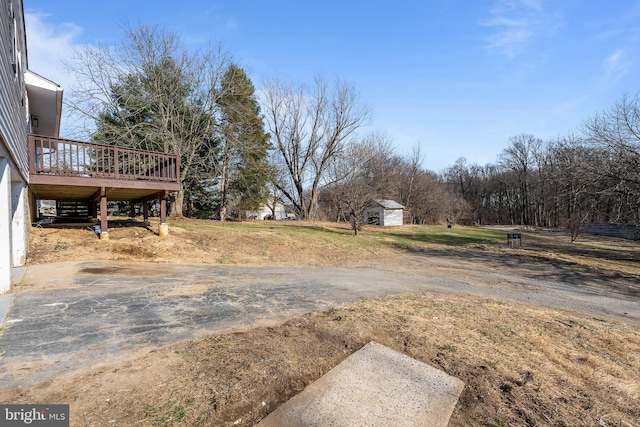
(71, 315)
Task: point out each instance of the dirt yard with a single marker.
(522, 365)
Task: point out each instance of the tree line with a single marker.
(301, 143)
(590, 176)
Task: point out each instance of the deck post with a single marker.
(93, 204)
(132, 211)
(93, 208)
(145, 212)
(164, 227)
(104, 224)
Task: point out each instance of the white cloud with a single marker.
(532, 4)
(515, 23)
(609, 34)
(231, 24)
(569, 105)
(616, 65)
(48, 44)
(511, 38)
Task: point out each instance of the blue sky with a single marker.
(458, 77)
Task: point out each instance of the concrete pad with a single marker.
(17, 274)
(375, 386)
(5, 304)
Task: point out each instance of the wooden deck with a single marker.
(67, 170)
(63, 169)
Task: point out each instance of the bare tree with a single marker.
(617, 131)
(310, 128)
(410, 175)
(355, 185)
(458, 176)
(150, 92)
(520, 159)
(593, 177)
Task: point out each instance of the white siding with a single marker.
(265, 211)
(5, 226)
(14, 163)
(387, 217)
(392, 217)
(20, 223)
(13, 123)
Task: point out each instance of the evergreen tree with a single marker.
(149, 92)
(244, 169)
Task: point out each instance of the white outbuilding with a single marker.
(385, 213)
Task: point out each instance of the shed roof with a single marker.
(389, 204)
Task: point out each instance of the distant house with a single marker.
(384, 212)
(265, 212)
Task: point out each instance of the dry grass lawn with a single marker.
(522, 365)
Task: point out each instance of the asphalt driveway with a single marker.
(71, 315)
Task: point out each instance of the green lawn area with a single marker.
(439, 235)
(592, 251)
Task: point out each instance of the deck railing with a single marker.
(65, 157)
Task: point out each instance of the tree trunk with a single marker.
(224, 183)
(354, 222)
(176, 206)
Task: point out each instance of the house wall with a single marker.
(392, 217)
(266, 211)
(280, 212)
(14, 163)
(388, 217)
(5, 225)
(13, 98)
(20, 223)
